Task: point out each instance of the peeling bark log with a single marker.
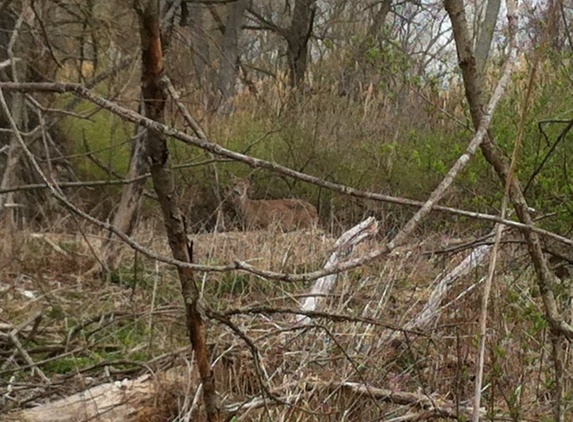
(343, 247)
(125, 401)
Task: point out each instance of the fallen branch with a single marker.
(428, 407)
(442, 284)
(116, 401)
(342, 248)
(436, 407)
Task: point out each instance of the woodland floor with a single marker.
(79, 332)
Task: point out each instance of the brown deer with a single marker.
(288, 214)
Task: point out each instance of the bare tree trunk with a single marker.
(552, 22)
(14, 163)
(24, 59)
(494, 155)
(229, 64)
(9, 176)
(8, 30)
(297, 37)
(158, 156)
(193, 15)
(485, 36)
(127, 211)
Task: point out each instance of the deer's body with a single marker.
(288, 214)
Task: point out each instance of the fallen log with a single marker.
(141, 399)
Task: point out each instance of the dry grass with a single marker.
(90, 332)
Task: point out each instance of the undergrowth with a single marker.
(107, 331)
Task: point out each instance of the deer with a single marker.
(287, 214)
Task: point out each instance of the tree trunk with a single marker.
(193, 15)
(15, 44)
(9, 176)
(485, 36)
(297, 37)
(24, 59)
(127, 211)
(7, 140)
(552, 22)
(229, 63)
(158, 158)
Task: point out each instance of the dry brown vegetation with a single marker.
(387, 127)
(81, 332)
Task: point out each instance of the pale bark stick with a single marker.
(343, 246)
(429, 313)
(116, 401)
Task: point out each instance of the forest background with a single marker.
(363, 109)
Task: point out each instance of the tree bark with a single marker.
(193, 15)
(485, 36)
(297, 37)
(229, 63)
(158, 158)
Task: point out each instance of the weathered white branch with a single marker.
(110, 402)
(8, 62)
(427, 407)
(442, 285)
(342, 248)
